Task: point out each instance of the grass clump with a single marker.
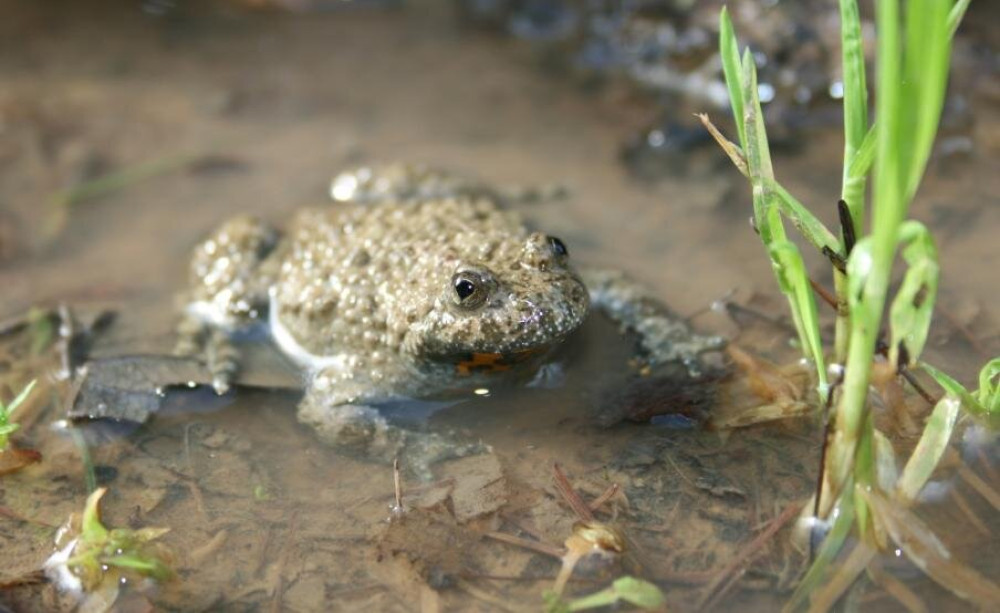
(860, 490)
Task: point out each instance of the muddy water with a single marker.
(269, 105)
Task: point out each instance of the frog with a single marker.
(412, 282)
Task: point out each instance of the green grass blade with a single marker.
(802, 218)
(888, 210)
(758, 155)
(928, 49)
(19, 399)
(794, 282)
(932, 445)
(148, 566)
(969, 402)
(863, 158)
(820, 569)
(733, 71)
(855, 107)
(956, 15)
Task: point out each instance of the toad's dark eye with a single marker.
(470, 289)
(464, 288)
(558, 247)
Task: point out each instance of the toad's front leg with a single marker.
(663, 336)
(340, 409)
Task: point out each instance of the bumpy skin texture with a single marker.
(416, 282)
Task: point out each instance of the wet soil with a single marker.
(253, 112)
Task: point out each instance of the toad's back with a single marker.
(354, 278)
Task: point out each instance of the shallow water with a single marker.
(262, 515)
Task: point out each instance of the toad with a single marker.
(413, 282)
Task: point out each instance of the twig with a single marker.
(983, 488)
(963, 504)
(536, 546)
(482, 595)
(896, 588)
(570, 496)
(279, 590)
(12, 514)
(192, 481)
(681, 472)
(397, 489)
(912, 380)
(718, 588)
(603, 498)
(823, 293)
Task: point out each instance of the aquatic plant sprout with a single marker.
(860, 486)
(97, 550)
(7, 425)
(636, 592)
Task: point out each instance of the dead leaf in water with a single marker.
(14, 459)
(761, 392)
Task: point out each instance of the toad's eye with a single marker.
(558, 247)
(470, 289)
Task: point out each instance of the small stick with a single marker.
(908, 376)
(279, 589)
(681, 472)
(536, 546)
(963, 505)
(397, 484)
(823, 293)
(822, 451)
(983, 488)
(12, 514)
(896, 588)
(733, 310)
(987, 466)
(718, 587)
(192, 481)
(603, 498)
(486, 597)
(570, 496)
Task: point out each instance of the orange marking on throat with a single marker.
(482, 362)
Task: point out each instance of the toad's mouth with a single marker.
(473, 363)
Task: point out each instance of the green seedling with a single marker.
(99, 550)
(7, 425)
(628, 590)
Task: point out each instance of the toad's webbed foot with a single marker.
(195, 338)
(363, 431)
(663, 336)
(228, 279)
